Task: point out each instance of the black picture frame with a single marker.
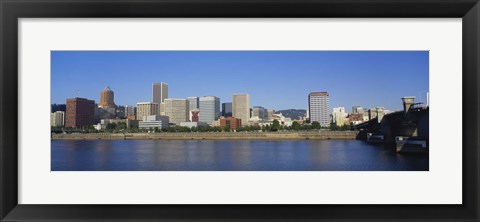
(11, 11)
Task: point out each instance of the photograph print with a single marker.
(239, 111)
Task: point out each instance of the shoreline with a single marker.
(318, 135)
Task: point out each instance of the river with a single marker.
(230, 155)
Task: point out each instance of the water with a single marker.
(235, 155)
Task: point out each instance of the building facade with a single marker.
(131, 112)
(159, 93)
(146, 109)
(177, 110)
(319, 107)
(107, 98)
(377, 112)
(195, 115)
(339, 116)
(241, 107)
(270, 114)
(357, 110)
(57, 119)
(260, 112)
(80, 112)
(209, 107)
(226, 109)
(231, 122)
(154, 121)
(193, 106)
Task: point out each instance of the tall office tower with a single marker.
(160, 93)
(146, 109)
(260, 112)
(107, 98)
(193, 102)
(80, 112)
(131, 112)
(57, 118)
(241, 107)
(209, 109)
(318, 107)
(193, 106)
(177, 110)
(226, 109)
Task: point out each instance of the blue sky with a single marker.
(274, 79)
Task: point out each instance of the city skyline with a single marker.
(273, 79)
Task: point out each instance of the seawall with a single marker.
(321, 135)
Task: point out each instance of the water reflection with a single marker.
(236, 155)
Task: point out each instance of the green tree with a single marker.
(121, 126)
(111, 126)
(316, 125)
(275, 126)
(296, 126)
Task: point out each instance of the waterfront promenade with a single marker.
(319, 135)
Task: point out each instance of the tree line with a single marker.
(274, 127)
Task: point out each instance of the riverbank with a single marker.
(319, 135)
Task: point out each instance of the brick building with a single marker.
(80, 112)
(231, 122)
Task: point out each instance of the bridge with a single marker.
(412, 123)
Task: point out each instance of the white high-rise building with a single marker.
(160, 93)
(146, 109)
(57, 119)
(241, 107)
(319, 107)
(209, 107)
(177, 110)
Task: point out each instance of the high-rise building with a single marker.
(57, 119)
(107, 98)
(80, 112)
(195, 114)
(160, 93)
(177, 110)
(270, 113)
(339, 115)
(241, 107)
(209, 107)
(193, 104)
(58, 107)
(260, 112)
(318, 107)
(146, 109)
(226, 109)
(131, 112)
